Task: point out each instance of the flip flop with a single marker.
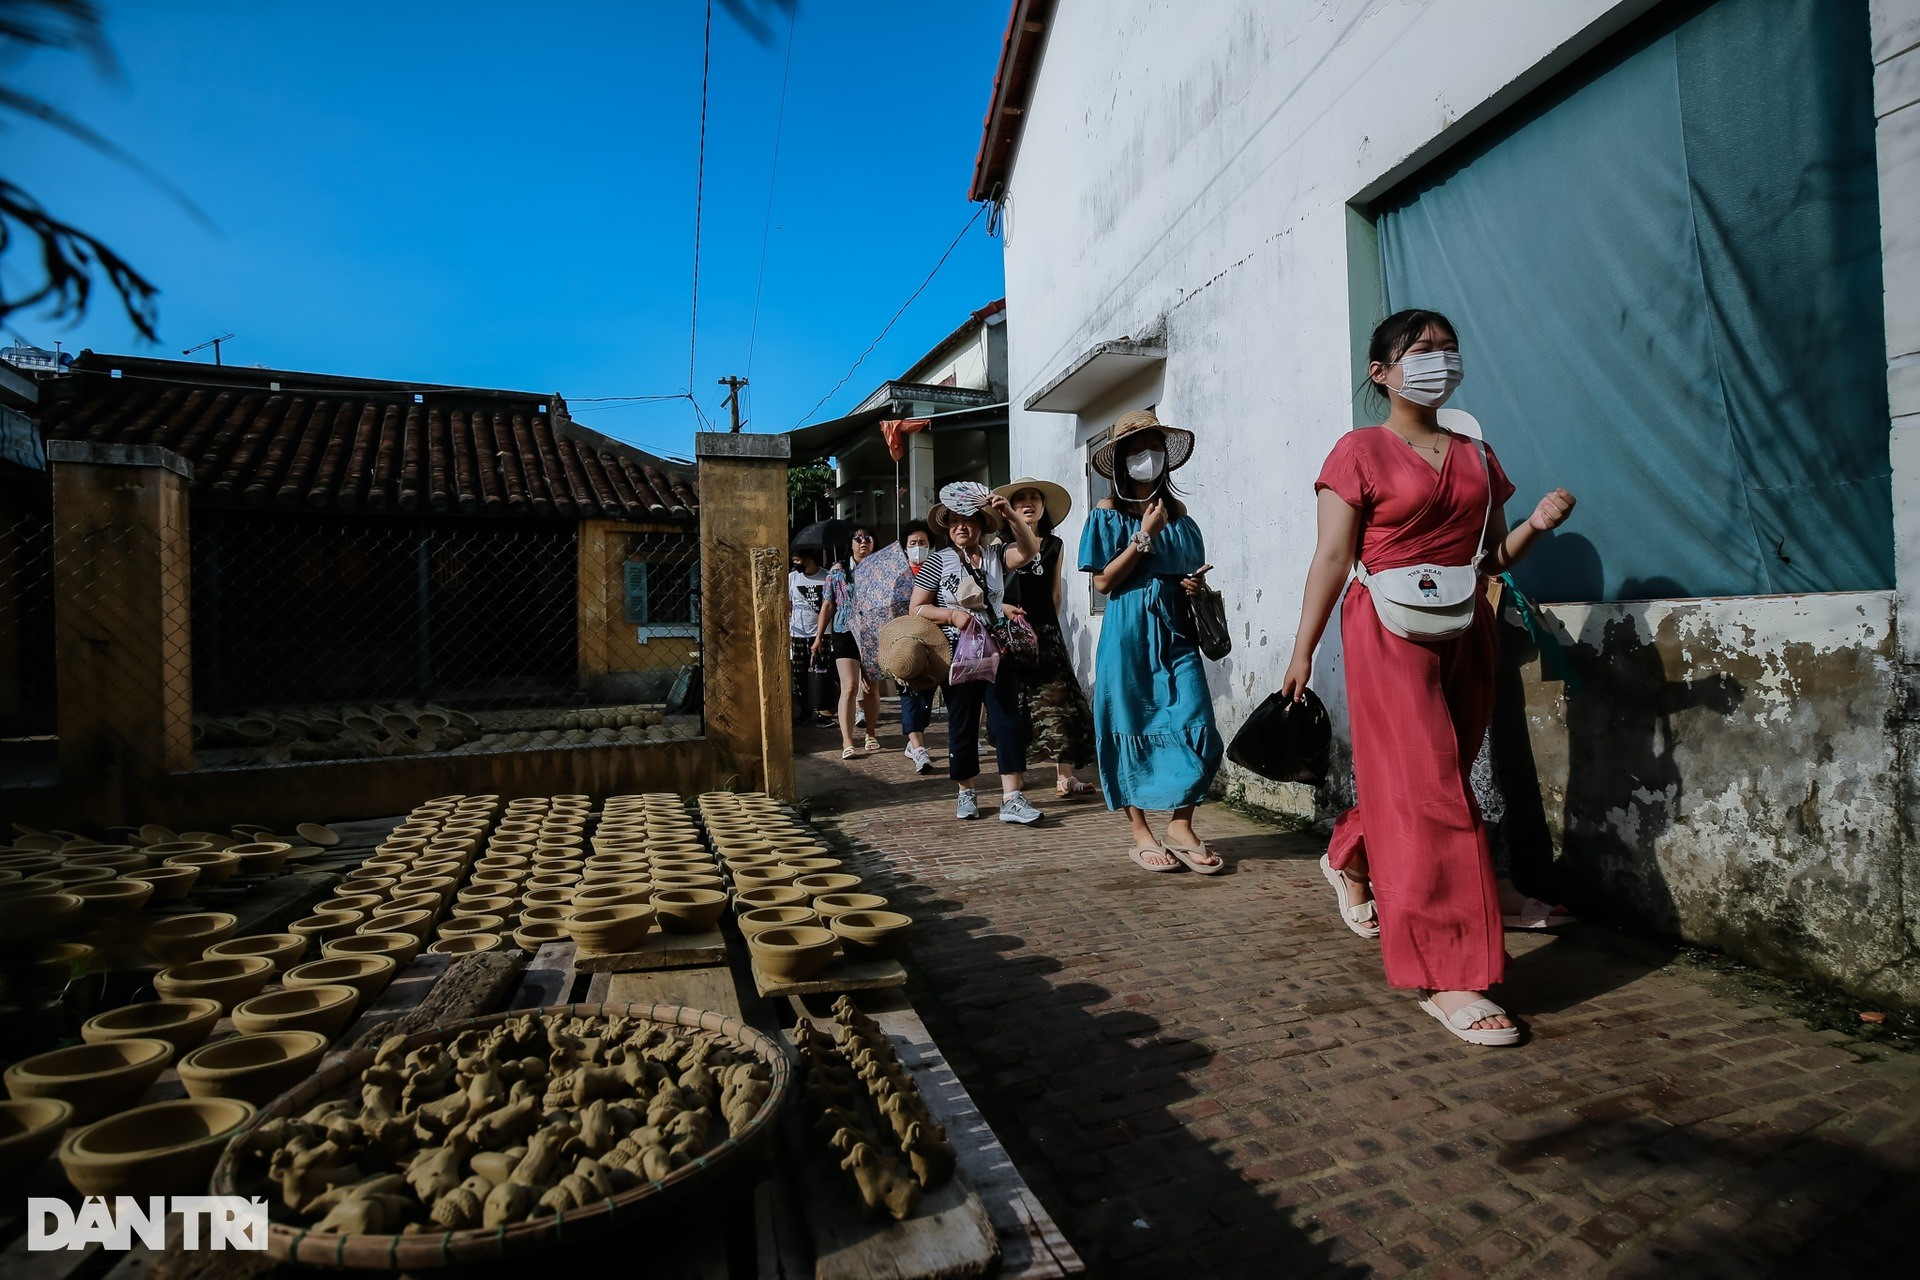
(1189, 854)
(1144, 865)
(1461, 1021)
(1535, 914)
(1361, 917)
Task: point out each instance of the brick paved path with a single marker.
(1206, 1077)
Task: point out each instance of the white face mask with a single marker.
(1147, 464)
(916, 554)
(1429, 377)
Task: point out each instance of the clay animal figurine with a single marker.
(883, 1190)
(930, 1156)
(462, 1207)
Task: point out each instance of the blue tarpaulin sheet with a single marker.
(1666, 275)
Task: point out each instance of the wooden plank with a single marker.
(661, 950)
(1031, 1244)
(549, 977)
(708, 988)
(597, 988)
(841, 975)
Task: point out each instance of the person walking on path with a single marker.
(834, 638)
(1154, 732)
(1054, 714)
(1407, 494)
(806, 588)
(962, 587)
(916, 705)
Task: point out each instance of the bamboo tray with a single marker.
(426, 1250)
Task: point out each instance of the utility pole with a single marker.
(733, 386)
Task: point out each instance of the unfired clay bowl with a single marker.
(792, 954)
(467, 944)
(615, 893)
(324, 1009)
(279, 949)
(182, 939)
(181, 1023)
(472, 924)
(828, 905)
(828, 882)
(228, 981)
(778, 895)
(94, 1078)
(163, 1148)
(111, 900)
(214, 867)
(761, 919)
(615, 928)
(252, 1068)
(531, 937)
(39, 914)
(170, 884)
(71, 877)
(402, 947)
(763, 877)
(323, 925)
(369, 975)
(871, 934)
(688, 910)
(30, 1128)
(118, 863)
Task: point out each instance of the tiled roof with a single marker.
(266, 438)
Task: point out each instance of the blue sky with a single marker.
(502, 195)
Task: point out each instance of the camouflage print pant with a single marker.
(1054, 713)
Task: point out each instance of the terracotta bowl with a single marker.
(31, 864)
(260, 856)
(742, 861)
(506, 880)
(554, 896)
(761, 919)
(688, 848)
(181, 1023)
(386, 866)
(472, 924)
(688, 910)
(70, 877)
(39, 914)
(684, 862)
(531, 937)
(323, 925)
(365, 886)
(95, 1079)
(828, 882)
(558, 866)
(252, 1068)
(413, 901)
(111, 900)
(553, 880)
(398, 944)
(214, 867)
(740, 846)
(814, 866)
(369, 975)
(467, 944)
(163, 1148)
(170, 884)
(159, 853)
(322, 1009)
(228, 981)
(315, 833)
(350, 902)
(828, 905)
(278, 949)
(792, 954)
(118, 863)
(779, 895)
(415, 923)
(763, 877)
(30, 1128)
(214, 840)
(503, 862)
(58, 963)
(485, 905)
(635, 893)
(546, 913)
(614, 928)
(686, 880)
(439, 887)
(871, 934)
(182, 939)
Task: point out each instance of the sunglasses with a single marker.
(863, 537)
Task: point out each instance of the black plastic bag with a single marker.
(1285, 741)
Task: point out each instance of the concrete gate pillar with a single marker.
(122, 619)
(743, 604)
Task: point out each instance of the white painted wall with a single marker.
(1192, 164)
(1896, 104)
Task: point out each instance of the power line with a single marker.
(773, 174)
(978, 210)
(699, 197)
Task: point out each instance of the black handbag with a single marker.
(1210, 624)
(1286, 741)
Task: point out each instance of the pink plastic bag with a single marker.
(975, 656)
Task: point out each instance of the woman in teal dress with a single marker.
(1153, 717)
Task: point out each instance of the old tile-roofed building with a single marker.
(267, 438)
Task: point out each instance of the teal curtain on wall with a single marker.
(1666, 276)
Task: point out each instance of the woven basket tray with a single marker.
(449, 1248)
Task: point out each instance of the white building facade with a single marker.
(1192, 198)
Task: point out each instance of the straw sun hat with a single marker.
(915, 652)
(1057, 500)
(1177, 441)
(941, 516)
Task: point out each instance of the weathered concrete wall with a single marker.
(1724, 776)
(609, 646)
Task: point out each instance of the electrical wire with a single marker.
(773, 174)
(978, 210)
(699, 198)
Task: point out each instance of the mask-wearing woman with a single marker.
(1152, 715)
(1408, 495)
(916, 708)
(1054, 713)
(835, 638)
(962, 588)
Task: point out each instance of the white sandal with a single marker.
(1461, 1021)
(1535, 914)
(1361, 917)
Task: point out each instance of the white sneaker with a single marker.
(968, 806)
(1014, 808)
(859, 719)
(922, 762)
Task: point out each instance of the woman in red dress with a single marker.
(1407, 493)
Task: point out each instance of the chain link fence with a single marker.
(27, 692)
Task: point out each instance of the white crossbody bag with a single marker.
(1430, 602)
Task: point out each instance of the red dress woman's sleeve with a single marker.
(1344, 472)
(1502, 487)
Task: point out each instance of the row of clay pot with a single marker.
(801, 907)
(648, 867)
(394, 900)
(531, 861)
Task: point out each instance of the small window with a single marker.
(662, 593)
